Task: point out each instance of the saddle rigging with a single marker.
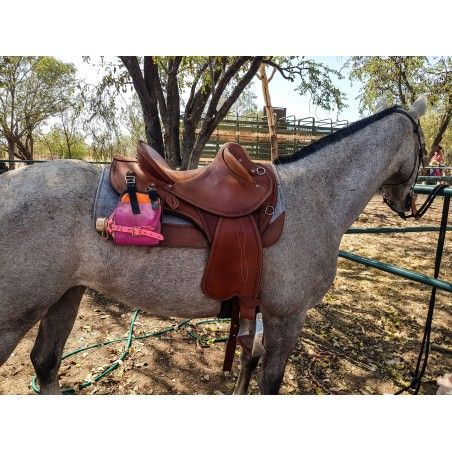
(230, 203)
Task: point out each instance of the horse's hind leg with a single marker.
(280, 337)
(53, 332)
(247, 366)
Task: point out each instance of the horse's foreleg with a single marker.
(11, 332)
(280, 337)
(247, 366)
(53, 332)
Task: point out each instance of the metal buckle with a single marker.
(130, 179)
(139, 231)
(260, 170)
(269, 210)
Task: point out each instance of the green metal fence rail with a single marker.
(404, 273)
(250, 131)
(389, 268)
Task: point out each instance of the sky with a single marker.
(283, 95)
(281, 91)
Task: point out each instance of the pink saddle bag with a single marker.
(137, 229)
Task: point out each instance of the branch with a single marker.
(277, 67)
(193, 87)
(241, 85)
(152, 79)
(148, 103)
(230, 72)
(408, 84)
(133, 68)
(201, 97)
(445, 120)
(269, 79)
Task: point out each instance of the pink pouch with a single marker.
(139, 229)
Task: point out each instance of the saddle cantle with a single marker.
(231, 202)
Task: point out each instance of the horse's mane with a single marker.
(335, 137)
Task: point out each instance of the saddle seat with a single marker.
(232, 185)
(155, 165)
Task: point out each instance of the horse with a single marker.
(50, 251)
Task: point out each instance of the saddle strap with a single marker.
(132, 191)
(231, 345)
(133, 230)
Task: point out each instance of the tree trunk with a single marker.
(441, 131)
(188, 142)
(24, 151)
(11, 154)
(147, 99)
(172, 123)
(270, 115)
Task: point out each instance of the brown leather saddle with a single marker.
(230, 203)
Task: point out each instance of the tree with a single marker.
(59, 143)
(66, 136)
(211, 85)
(245, 105)
(112, 122)
(32, 90)
(402, 79)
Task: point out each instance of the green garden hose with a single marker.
(129, 339)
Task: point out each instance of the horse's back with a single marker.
(41, 209)
(37, 181)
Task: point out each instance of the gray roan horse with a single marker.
(50, 251)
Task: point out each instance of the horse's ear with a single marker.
(382, 104)
(419, 107)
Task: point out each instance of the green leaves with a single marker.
(401, 79)
(312, 78)
(32, 90)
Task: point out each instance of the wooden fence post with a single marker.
(269, 110)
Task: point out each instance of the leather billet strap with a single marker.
(231, 345)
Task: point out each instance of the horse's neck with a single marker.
(340, 179)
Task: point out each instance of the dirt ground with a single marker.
(362, 339)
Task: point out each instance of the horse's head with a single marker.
(397, 190)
